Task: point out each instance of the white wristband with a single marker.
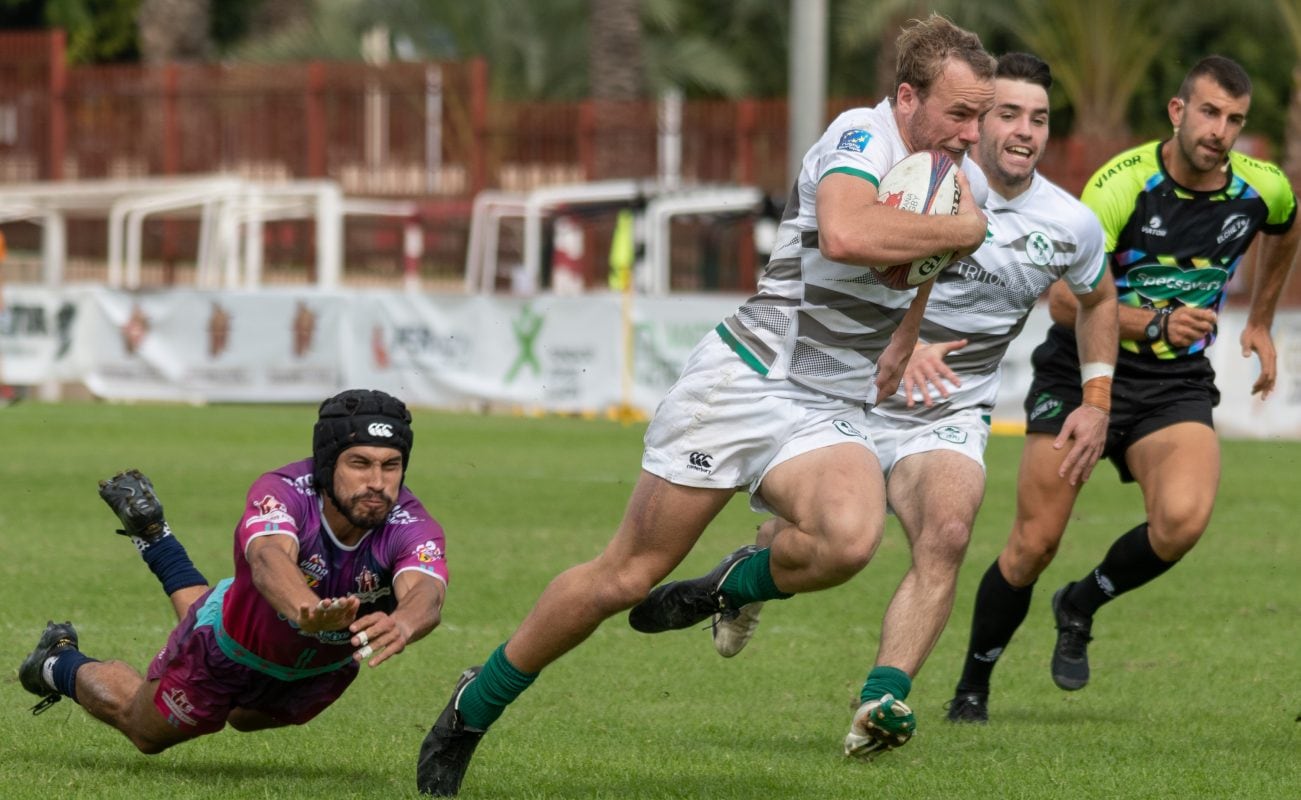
(1095, 369)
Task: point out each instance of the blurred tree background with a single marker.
(1116, 61)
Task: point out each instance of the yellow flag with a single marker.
(622, 252)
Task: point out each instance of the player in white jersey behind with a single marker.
(930, 436)
(775, 400)
(1179, 216)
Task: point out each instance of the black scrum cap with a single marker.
(357, 417)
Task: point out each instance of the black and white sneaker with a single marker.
(56, 638)
(681, 604)
(445, 753)
(968, 707)
(132, 498)
(1071, 653)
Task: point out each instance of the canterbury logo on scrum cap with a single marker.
(380, 429)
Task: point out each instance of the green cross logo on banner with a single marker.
(527, 326)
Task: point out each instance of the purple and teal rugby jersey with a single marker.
(284, 503)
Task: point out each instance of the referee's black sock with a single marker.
(1000, 610)
(1130, 563)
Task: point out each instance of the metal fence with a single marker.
(427, 132)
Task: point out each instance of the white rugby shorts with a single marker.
(964, 431)
(724, 426)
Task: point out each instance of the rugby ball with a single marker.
(925, 182)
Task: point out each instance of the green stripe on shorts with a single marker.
(741, 350)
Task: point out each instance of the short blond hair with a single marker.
(925, 45)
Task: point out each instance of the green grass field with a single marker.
(1196, 688)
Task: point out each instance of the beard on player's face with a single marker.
(1201, 159)
(366, 509)
(930, 128)
(926, 134)
(367, 479)
(1002, 179)
(946, 114)
(1010, 172)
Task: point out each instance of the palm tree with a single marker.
(733, 49)
(1290, 11)
(1100, 52)
(307, 30)
(617, 78)
(174, 30)
(872, 26)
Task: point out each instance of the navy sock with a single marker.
(497, 686)
(65, 669)
(1130, 563)
(171, 565)
(1000, 609)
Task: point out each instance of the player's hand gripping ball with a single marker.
(925, 182)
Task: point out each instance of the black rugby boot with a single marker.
(56, 638)
(681, 604)
(445, 753)
(968, 707)
(132, 498)
(1071, 653)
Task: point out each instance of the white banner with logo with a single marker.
(36, 336)
(584, 354)
(546, 353)
(210, 346)
(664, 332)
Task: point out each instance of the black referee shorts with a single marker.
(1146, 396)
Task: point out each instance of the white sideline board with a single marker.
(587, 354)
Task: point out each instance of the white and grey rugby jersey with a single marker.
(820, 323)
(1035, 238)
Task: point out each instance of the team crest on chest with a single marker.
(1039, 249)
(368, 588)
(1234, 227)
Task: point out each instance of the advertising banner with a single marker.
(546, 353)
(197, 346)
(36, 336)
(597, 353)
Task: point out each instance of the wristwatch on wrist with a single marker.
(1156, 329)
